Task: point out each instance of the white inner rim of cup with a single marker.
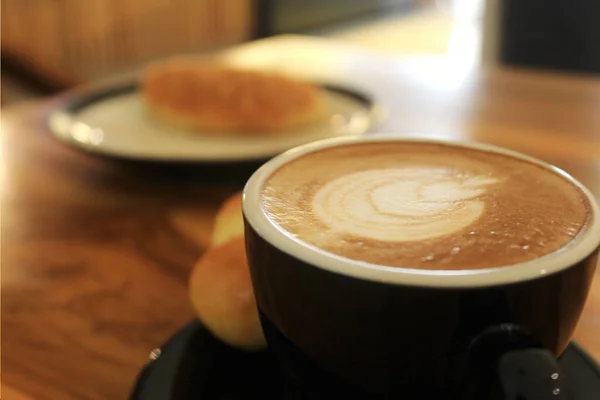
(579, 248)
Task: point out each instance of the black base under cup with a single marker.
(194, 365)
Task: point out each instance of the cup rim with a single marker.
(571, 254)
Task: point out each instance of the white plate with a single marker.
(115, 122)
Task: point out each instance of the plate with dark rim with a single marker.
(112, 120)
(194, 365)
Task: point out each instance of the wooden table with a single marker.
(96, 253)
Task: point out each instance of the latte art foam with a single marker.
(400, 205)
(425, 205)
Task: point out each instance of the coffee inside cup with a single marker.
(425, 205)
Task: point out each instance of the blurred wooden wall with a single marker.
(79, 40)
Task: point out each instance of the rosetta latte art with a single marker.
(424, 205)
(401, 204)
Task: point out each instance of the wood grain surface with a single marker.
(96, 252)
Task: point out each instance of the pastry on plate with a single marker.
(221, 293)
(207, 96)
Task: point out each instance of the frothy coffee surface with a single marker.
(425, 205)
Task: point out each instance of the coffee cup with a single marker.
(392, 267)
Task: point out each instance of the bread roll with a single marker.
(229, 222)
(221, 293)
(207, 96)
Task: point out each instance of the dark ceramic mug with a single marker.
(342, 328)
